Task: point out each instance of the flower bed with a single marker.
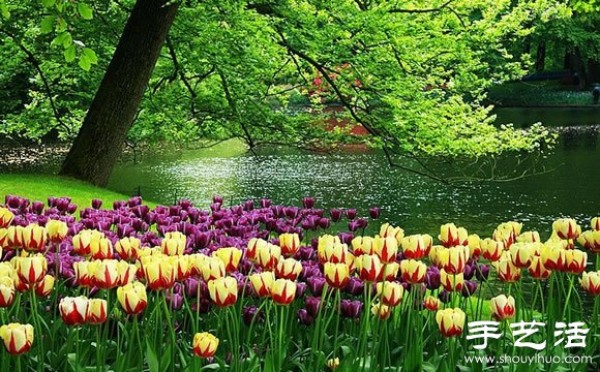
(258, 286)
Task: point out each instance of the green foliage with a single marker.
(414, 74)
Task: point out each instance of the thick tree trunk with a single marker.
(111, 114)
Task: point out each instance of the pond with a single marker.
(362, 179)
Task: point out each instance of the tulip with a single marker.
(450, 321)
(84, 239)
(253, 246)
(182, 266)
(576, 261)
(212, 268)
(159, 273)
(83, 276)
(566, 228)
(595, 223)
(230, 256)
(337, 275)
(173, 244)
(251, 314)
(44, 287)
(590, 282)
(502, 307)
(288, 268)
(73, 310)
(333, 363)
(521, 254)
(96, 313)
(132, 297)
(105, 273)
(304, 317)
(6, 217)
(362, 245)
(390, 293)
(351, 309)
(431, 303)
(316, 284)
(19, 284)
(553, 257)
(537, 270)
(413, 271)
(452, 282)
(268, 256)
(529, 237)
(389, 271)
(491, 250)
(453, 259)
(387, 230)
(31, 269)
(385, 248)
(374, 212)
(34, 237)
(474, 244)
(590, 240)
(507, 272)
(433, 254)
(381, 311)
(283, 291)
(205, 345)
(369, 267)
(127, 248)
(57, 230)
(450, 235)
(223, 291)
(505, 235)
(15, 236)
(262, 283)
(289, 243)
(17, 338)
(7, 291)
(3, 239)
(126, 272)
(335, 253)
(416, 246)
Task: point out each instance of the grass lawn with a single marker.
(40, 187)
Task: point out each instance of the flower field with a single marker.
(263, 287)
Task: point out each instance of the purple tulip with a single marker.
(315, 285)
(362, 223)
(351, 309)
(324, 223)
(445, 296)
(374, 212)
(336, 214)
(265, 203)
(482, 272)
(251, 314)
(353, 225)
(313, 305)
(355, 286)
(305, 317)
(351, 213)
(432, 278)
(469, 288)
(308, 202)
(37, 207)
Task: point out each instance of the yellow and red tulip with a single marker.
(368, 267)
(432, 303)
(83, 241)
(289, 243)
(44, 287)
(502, 307)
(127, 248)
(252, 249)
(74, 310)
(96, 313)
(268, 256)
(288, 268)
(529, 237)
(537, 270)
(6, 217)
(34, 237)
(566, 228)
(31, 269)
(223, 291)
(362, 245)
(335, 253)
(381, 311)
(553, 256)
(450, 321)
(507, 272)
(7, 291)
(230, 256)
(387, 230)
(262, 283)
(452, 282)
(390, 293)
(416, 246)
(595, 223)
(451, 236)
(590, 240)
(205, 345)
(521, 254)
(283, 291)
(491, 250)
(576, 261)
(333, 363)
(83, 276)
(15, 236)
(17, 338)
(57, 230)
(337, 275)
(159, 272)
(413, 271)
(126, 272)
(132, 297)
(173, 244)
(386, 248)
(453, 259)
(105, 273)
(212, 268)
(590, 282)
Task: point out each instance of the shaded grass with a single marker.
(40, 187)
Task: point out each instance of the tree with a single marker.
(231, 69)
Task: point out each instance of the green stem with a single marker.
(171, 330)
(36, 321)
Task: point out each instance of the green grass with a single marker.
(538, 93)
(40, 187)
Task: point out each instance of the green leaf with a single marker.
(47, 24)
(90, 55)
(84, 63)
(48, 3)
(85, 11)
(151, 358)
(4, 11)
(70, 53)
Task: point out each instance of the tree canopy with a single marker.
(412, 73)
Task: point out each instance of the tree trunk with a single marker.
(111, 114)
(540, 61)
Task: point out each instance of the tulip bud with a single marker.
(283, 291)
(262, 283)
(566, 228)
(416, 246)
(590, 282)
(127, 248)
(230, 256)
(268, 256)
(491, 249)
(413, 271)
(450, 321)
(289, 243)
(431, 303)
(529, 237)
(337, 275)
(502, 307)
(385, 248)
(390, 293)
(84, 239)
(7, 291)
(159, 272)
(17, 337)
(44, 287)
(576, 261)
(288, 269)
(132, 297)
(31, 269)
(253, 246)
(73, 310)
(6, 217)
(381, 311)
(34, 237)
(369, 267)
(362, 245)
(212, 268)
(205, 345)
(96, 313)
(453, 259)
(537, 270)
(452, 282)
(57, 230)
(507, 272)
(223, 291)
(105, 274)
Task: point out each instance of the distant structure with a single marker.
(596, 93)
